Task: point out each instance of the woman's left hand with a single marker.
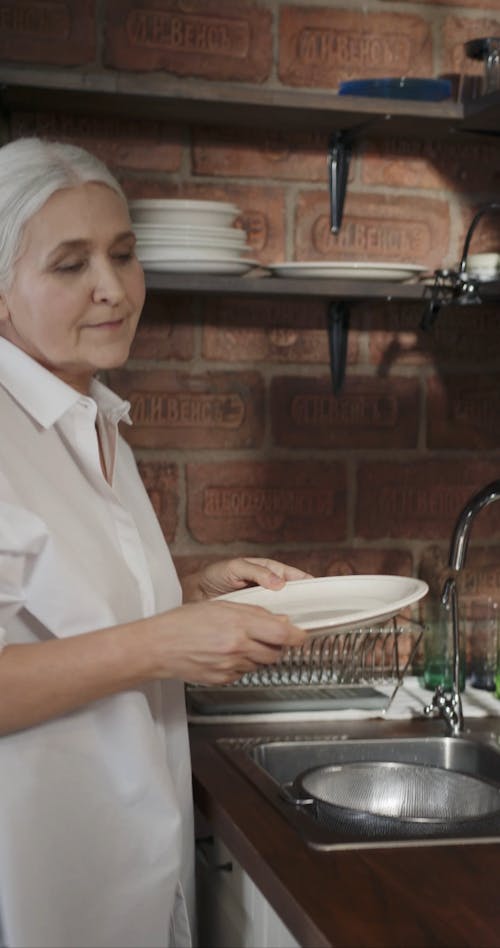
(229, 575)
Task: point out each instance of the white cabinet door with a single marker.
(232, 912)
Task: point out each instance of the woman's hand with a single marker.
(216, 642)
(230, 575)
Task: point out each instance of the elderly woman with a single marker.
(96, 838)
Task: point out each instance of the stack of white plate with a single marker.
(186, 236)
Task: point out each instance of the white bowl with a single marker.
(483, 265)
(149, 253)
(198, 246)
(200, 229)
(177, 211)
(160, 233)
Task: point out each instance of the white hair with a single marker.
(31, 171)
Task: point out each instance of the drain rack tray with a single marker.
(332, 670)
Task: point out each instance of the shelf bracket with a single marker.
(338, 330)
(339, 155)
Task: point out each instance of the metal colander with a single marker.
(388, 798)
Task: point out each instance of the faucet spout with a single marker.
(450, 706)
(449, 599)
(463, 526)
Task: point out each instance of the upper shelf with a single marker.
(254, 285)
(159, 96)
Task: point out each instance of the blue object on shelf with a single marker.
(427, 90)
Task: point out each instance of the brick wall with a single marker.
(240, 441)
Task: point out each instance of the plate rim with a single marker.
(355, 264)
(167, 266)
(181, 203)
(421, 588)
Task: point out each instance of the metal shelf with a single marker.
(154, 95)
(270, 286)
(160, 96)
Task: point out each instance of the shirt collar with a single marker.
(46, 397)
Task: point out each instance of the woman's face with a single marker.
(78, 288)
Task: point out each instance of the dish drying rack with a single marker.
(332, 670)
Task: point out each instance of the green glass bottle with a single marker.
(438, 650)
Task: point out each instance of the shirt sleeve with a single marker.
(22, 538)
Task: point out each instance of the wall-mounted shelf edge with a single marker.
(268, 286)
(156, 95)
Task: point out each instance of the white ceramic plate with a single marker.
(341, 270)
(336, 601)
(219, 267)
(165, 254)
(198, 242)
(161, 232)
(179, 211)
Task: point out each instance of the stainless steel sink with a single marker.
(272, 765)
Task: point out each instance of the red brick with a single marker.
(161, 482)
(191, 563)
(165, 330)
(451, 341)
(431, 165)
(463, 411)
(331, 562)
(394, 336)
(119, 142)
(215, 39)
(272, 154)
(420, 500)
(386, 228)
(369, 413)
(176, 410)
(44, 31)
(266, 502)
(262, 209)
(479, 577)
(478, 582)
(280, 331)
(323, 46)
(471, 4)
(457, 30)
(348, 561)
(486, 235)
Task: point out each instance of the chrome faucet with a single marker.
(450, 706)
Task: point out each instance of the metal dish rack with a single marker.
(338, 668)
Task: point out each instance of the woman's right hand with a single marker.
(209, 643)
(216, 642)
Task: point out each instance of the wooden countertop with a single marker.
(402, 895)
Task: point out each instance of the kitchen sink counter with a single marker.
(413, 894)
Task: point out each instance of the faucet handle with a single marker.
(447, 706)
(436, 706)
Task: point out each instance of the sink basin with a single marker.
(273, 765)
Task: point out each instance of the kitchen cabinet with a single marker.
(232, 912)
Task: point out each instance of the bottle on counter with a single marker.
(497, 675)
(438, 648)
(483, 621)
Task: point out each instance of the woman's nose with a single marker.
(108, 286)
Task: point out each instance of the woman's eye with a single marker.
(125, 256)
(71, 267)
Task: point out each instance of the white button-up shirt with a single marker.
(96, 830)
